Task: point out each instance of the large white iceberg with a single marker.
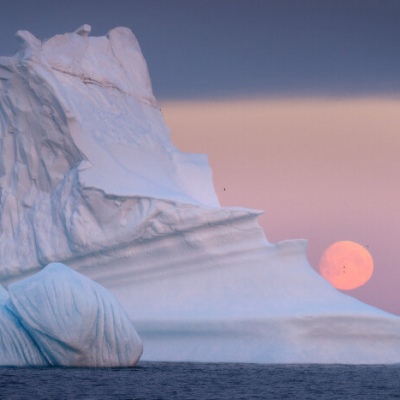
(59, 317)
(89, 177)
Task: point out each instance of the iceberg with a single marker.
(59, 317)
(89, 178)
(16, 346)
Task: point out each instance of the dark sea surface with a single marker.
(203, 381)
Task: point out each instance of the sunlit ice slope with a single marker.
(90, 178)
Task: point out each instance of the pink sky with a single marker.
(323, 170)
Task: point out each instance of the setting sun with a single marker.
(346, 265)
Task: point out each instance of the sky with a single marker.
(294, 101)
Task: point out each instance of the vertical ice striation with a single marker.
(59, 317)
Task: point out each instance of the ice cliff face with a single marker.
(90, 178)
(86, 160)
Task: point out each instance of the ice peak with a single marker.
(113, 61)
(84, 30)
(30, 44)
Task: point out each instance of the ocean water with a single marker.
(203, 381)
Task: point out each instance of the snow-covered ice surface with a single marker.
(59, 317)
(90, 178)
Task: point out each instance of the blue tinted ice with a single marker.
(59, 317)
